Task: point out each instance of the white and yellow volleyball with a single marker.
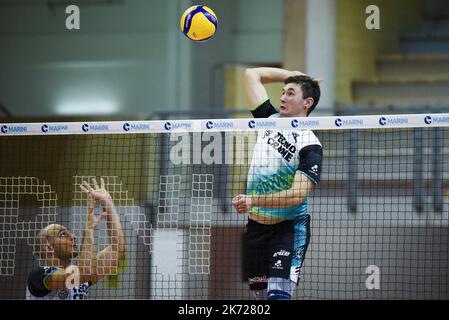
(199, 23)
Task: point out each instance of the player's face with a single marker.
(292, 102)
(63, 242)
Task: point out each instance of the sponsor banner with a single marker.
(436, 120)
(248, 124)
(136, 126)
(218, 125)
(393, 121)
(57, 128)
(263, 123)
(350, 122)
(12, 129)
(178, 125)
(93, 127)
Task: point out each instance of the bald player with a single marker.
(56, 245)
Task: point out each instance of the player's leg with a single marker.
(281, 252)
(255, 258)
(301, 243)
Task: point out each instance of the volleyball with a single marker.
(199, 23)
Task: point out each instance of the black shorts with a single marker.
(276, 250)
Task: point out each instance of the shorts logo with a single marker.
(281, 253)
(278, 265)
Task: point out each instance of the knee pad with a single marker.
(279, 295)
(279, 289)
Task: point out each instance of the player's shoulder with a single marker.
(39, 274)
(45, 270)
(36, 280)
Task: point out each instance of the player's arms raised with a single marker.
(109, 257)
(255, 78)
(86, 265)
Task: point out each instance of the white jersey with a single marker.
(277, 156)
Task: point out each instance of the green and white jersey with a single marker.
(277, 156)
(37, 289)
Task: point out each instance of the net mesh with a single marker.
(379, 216)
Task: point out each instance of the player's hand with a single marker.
(242, 203)
(97, 193)
(296, 73)
(92, 219)
(299, 73)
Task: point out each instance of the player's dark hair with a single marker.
(310, 89)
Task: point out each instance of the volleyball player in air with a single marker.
(56, 245)
(286, 165)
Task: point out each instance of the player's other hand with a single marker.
(92, 219)
(299, 73)
(296, 73)
(242, 203)
(97, 193)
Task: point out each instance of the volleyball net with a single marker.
(379, 216)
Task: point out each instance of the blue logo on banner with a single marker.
(252, 124)
(382, 121)
(295, 123)
(348, 122)
(167, 126)
(85, 127)
(428, 119)
(12, 129)
(44, 128)
(209, 124)
(338, 122)
(135, 126)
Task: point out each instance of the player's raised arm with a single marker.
(109, 257)
(255, 78)
(85, 268)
